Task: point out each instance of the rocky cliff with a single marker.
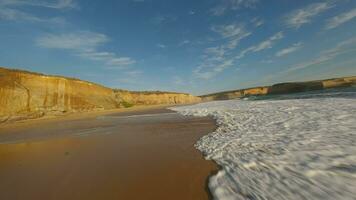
(26, 95)
(154, 97)
(283, 88)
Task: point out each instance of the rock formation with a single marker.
(26, 95)
(154, 97)
(283, 88)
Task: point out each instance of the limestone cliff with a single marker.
(154, 97)
(26, 95)
(283, 88)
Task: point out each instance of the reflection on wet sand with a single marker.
(112, 157)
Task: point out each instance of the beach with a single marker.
(145, 153)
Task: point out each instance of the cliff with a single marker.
(283, 88)
(154, 97)
(26, 95)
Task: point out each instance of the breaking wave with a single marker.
(295, 148)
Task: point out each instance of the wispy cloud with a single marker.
(225, 5)
(59, 4)
(82, 40)
(184, 42)
(266, 44)
(120, 61)
(209, 69)
(299, 17)
(162, 46)
(84, 44)
(341, 48)
(17, 15)
(229, 30)
(163, 19)
(9, 10)
(218, 58)
(234, 33)
(288, 50)
(340, 19)
(257, 22)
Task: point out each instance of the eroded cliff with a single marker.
(154, 97)
(283, 88)
(26, 95)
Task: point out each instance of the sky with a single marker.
(194, 46)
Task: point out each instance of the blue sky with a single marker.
(198, 46)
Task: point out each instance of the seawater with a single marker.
(298, 146)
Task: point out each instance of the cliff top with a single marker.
(149, 92)
(76, 79)
(47, 75)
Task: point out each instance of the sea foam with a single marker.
(281, 149)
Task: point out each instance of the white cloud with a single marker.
(9, 10)
(192, 12)
(134, 73)
(341, 19)
(225, 5)
(229, 30)
(84, 44)
(267, 44)
(163, 19)
(288, 50)
(209, 71)
(97, 56)
(341, 48)
(82, 40)
(17, 15)
(162, 46)
(120, 61)
(184, 42)
(214, 62)
(233, 32)
(59, 4)
(257, 22)
(216, 59)
(302, 16)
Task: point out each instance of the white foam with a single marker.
(281, 149)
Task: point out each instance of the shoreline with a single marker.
(162, 144)
(83, 115)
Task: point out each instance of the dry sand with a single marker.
(138, 154)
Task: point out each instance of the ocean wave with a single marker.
(281, 149)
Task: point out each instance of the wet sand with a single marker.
(138, 154)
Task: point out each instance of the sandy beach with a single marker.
(145, 153)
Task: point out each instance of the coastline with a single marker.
(150, 154)
(81, 115)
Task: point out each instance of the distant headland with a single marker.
(283, 88)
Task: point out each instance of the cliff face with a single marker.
(283, 88)
(26, 95)
(152, 98)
